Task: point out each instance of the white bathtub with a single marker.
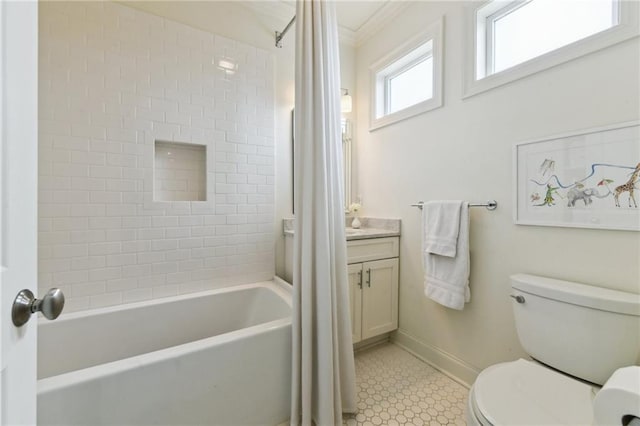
(220, 357)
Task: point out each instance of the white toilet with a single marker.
(578, 335)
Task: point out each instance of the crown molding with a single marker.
(347, 36)
(277, 10)
(389, 11)
(282, 12)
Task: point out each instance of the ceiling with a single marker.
(353, 14)
(357, 19)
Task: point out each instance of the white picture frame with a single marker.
(571, 180)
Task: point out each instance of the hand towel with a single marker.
(447, 277)
(441, 226)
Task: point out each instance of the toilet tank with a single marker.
(585, 331)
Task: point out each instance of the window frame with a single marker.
(478, 70)
(489, 31)
(396, 73)
(380, 98)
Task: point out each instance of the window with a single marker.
(410, 85)
(512, 39)
(408, 81)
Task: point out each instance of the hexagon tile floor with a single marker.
(396, 388)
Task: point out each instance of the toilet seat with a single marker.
(524, 392)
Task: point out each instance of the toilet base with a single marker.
(472, 412)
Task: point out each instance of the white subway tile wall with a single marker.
(113, 80)
(179, 172)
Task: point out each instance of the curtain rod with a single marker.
(280, 35)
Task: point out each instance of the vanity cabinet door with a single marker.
(355, 300)
(379, 297)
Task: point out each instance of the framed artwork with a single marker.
(586, 179)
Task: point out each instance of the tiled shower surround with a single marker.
(113, 80)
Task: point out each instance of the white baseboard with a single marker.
(370, 342)
(454, 367)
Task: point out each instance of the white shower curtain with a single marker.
(323, 378)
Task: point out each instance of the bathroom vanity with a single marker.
(373, 266)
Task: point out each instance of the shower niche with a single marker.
(179, 172)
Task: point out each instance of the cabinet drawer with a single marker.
(372, 249)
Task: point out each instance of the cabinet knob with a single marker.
(369, 277)
(360, 279)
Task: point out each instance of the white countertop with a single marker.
(389, 228)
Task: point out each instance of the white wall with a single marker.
(463, 151)
(112, 80)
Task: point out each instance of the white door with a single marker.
(18, 205)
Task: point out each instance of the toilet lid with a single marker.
(522, 392)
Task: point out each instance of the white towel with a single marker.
(441, 226)
(446, 276)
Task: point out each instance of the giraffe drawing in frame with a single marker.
(629, 186)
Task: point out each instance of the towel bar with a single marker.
(490, 205)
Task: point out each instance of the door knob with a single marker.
(26, 304)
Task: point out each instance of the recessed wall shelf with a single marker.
(179, 172)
